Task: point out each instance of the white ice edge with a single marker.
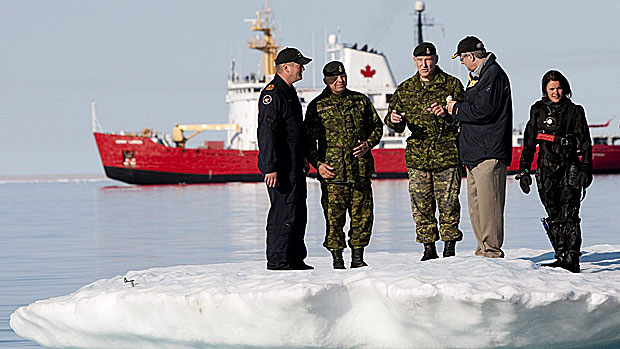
(398, 302)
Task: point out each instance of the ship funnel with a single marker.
(367, 71)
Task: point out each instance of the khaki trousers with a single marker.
(486, 196)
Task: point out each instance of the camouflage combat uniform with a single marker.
(432, 155)
(333, 126)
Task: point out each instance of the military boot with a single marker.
(571, 263)
(338, 261)
(449, 248)
(430, 252)
(357, 258)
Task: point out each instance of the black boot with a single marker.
(449, 248)
(571, 263)
(357, 258)
(558, 263)
(301, 266)
(430, 252)
(338, 261)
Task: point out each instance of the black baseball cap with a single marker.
(424, 49)
(333, 68)
(469, 44)
(291, 54)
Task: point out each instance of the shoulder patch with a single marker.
(267, 99)
(269, 88)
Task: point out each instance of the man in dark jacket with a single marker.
(281, 161)
(485, 141)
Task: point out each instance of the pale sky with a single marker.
(157, 63)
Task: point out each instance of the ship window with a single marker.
(600, 140)
(615, 141)
(388, 97)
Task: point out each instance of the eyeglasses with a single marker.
(462, 57)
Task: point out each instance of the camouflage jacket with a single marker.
(432, 144)
(333, 126)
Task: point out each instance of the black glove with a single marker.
(525, 180)
(584, 179)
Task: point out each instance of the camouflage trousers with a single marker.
(336, 200)
(432, 190)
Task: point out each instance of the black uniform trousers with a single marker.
(286, 225)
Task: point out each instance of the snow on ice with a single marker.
(398, 302)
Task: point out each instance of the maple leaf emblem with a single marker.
(367, 72)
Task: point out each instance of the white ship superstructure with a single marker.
(367, 70)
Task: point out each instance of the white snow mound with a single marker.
(398, 302)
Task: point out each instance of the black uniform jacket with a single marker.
(486, 117)
(549, 126)
(280, 132)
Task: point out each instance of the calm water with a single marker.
(59, 236)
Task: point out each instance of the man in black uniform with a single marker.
(281, 160)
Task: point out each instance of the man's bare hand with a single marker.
(326, 171)
(361, 149)
(437, 109)
(396, 117)
(450, 106)
(271, 179)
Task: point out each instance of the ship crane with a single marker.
(179, 138)
(267, 45)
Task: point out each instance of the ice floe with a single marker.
(397, 302)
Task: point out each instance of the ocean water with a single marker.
(58, 235)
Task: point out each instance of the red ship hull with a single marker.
(139, 160)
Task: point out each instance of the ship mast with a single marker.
(419, 7)
(267, 44)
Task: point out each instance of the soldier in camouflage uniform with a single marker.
(341, 127)
(432, 155)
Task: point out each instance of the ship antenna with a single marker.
(267, 44)
(418, 7)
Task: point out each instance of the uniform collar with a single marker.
(283, 83)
